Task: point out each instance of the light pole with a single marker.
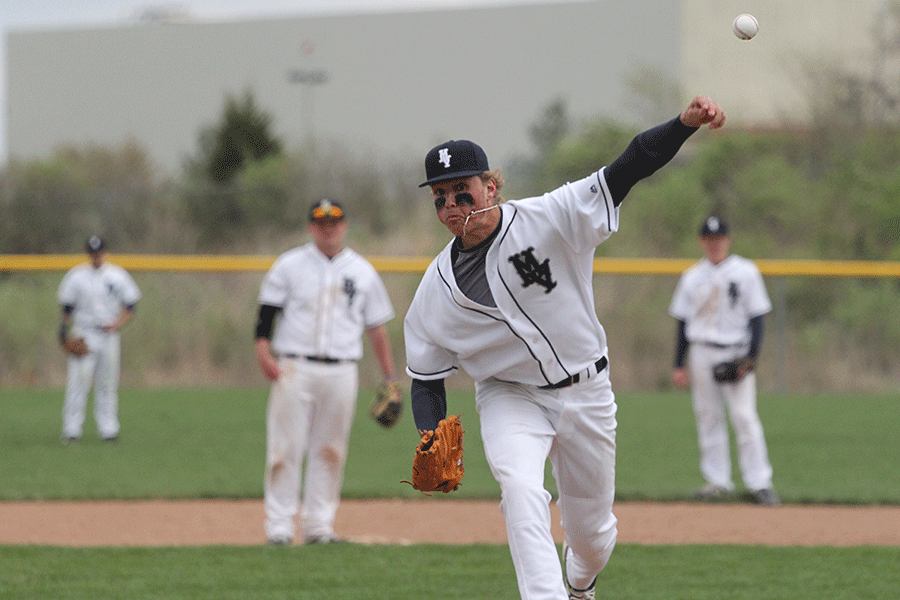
(308, 79)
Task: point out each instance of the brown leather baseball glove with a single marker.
(387, 405)
(76, 346)
(733, 370)
(438, 464)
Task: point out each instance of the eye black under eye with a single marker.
(439, 202)
(464, 199)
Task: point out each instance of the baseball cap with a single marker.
(714, 226)
(453, 160)
(326, 210)
(94, 244)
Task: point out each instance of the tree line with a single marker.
(829, 189)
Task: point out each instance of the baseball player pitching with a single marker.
(97, 298)
(510, 301)
(324, 296)
(719, 303)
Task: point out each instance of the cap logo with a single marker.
(713, 224)
(455, 159)
(444, 157)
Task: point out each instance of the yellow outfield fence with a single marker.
(196, 263)
(413, 264)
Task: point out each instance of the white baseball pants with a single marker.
(710, 399)
(575, 427)
(309, 415)
(99, 368)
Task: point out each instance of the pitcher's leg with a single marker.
(517, 436)
(584, 465)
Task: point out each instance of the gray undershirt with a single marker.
(469, 270)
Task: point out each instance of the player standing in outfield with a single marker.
(719, 303)
(510, 300)
(325, 295)
(98, 298)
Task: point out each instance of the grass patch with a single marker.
(481, 571)
(211, 443)
(823, 448)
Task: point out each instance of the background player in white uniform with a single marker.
(325, 296)
(510, 300)
(98, 299)
(719, 303)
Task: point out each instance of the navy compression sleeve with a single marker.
(429, 403)
(64, 324)
(681, 344)
(756, 334)
(647, 153)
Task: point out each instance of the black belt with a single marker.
(573, 379)
(719, 346)
(321, 359)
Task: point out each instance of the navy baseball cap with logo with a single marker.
(455, 159)
(326, 210)
(714, 227)
(94, 244)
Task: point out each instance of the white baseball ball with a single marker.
(745, 26)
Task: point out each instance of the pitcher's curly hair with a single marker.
(497, 176)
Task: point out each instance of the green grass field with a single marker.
(209, 443)
(452, 572)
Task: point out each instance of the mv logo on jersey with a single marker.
(350, 290)
(733, 293)
(531, 271)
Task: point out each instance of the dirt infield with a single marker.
(239, 522)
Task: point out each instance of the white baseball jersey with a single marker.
(718, 301)
(539, 269)
(98, 295)
(326, 303)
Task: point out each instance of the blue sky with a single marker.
(50, 14)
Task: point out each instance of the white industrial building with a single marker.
(391, 85)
